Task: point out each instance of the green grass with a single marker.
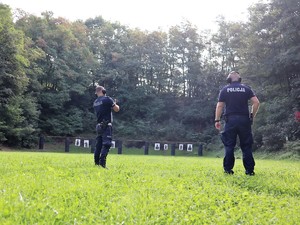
(64, 188)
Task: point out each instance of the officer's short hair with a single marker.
(100, 88)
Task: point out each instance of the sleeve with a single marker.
(222, 96)
(94, 106)
(251, 93)
(111, 102)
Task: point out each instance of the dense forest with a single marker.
(166, 82)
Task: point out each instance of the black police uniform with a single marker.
(103, 108)
(238, 123)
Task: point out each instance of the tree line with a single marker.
(166, 82)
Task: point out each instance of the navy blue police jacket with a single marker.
(236, 97)
(103, 109)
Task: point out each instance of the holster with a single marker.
(251, 118)
(100, 127)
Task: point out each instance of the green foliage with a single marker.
(166, 82)
(276, 124)
(292, 148)
(59, 73)
(18, 110)
(58, 188)
(21, 119)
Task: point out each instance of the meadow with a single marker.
(66, 188)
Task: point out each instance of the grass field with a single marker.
(66, 188)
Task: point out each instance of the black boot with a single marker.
(249, 173)
(103, 162)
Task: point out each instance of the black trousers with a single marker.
(103, 144)
(238, 126)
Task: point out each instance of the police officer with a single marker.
(234, 97)
(103, 107)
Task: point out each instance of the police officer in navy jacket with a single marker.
(238, 120)
(103, 107)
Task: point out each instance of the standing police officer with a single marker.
(238, 121)
(103, 107)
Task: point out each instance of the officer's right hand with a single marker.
(218, 125)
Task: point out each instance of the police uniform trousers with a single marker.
(103, 144)
(238, 125)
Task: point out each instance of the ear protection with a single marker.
(229, 80)
(100, 88)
